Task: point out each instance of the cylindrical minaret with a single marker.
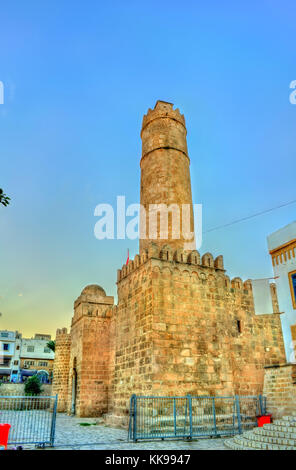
(165, 179)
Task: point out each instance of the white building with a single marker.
(8, 350)
(22, 357)
(15, 374)
(36, 348)
(282, 248)
(36, 356)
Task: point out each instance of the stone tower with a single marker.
(180, 325)
(81, 368)
(165, 179)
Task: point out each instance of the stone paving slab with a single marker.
(70, 435)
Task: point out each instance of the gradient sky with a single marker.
(78, 77)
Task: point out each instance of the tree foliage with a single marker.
(33, 386)
(4, 200)
(51, 345)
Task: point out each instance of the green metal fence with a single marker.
(153, 417)
(32, 419)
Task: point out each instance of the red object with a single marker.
(266, 419)
(127, 257)
(4, 432)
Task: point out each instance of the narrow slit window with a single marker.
(239, 326)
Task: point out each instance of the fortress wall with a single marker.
(198, 342)
(61, 368)
(89, 370)
(193, 329)
(133, 341)
(280, 389)
(181, 325)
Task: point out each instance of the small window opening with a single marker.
(239, 326)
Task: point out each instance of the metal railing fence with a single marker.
(32, 418)
(154, 417)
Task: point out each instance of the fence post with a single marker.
(53, 421)
(175, 417)
(130, 424)
(261, 405)
(239, 422)
(135, 419)
(190, 415)
(185, 420)
(214, 416)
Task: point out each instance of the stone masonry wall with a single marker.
(183, 327)
(90, 360)
(89, 371)
(61, 368)
(280, 389)
(133, 346)
(19, 389)
(198, 342)
(165, 174)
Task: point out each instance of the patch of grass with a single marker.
(87, 424)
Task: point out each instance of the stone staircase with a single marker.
(280, 435)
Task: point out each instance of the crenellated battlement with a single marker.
(182, 258)
(61, 331)
(163, 109)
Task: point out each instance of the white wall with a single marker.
(6, 337)
(38, 352)
(282, 236)
(16, 357)
(288, 318)
(10, 351)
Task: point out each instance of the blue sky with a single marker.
(78, 77)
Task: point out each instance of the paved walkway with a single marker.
(71, 435)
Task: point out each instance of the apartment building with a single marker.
(36, 357)
(7, 353)
(21, 358)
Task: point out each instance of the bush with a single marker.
(33, 386)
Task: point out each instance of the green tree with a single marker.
(4, 200)
(33, 386)
(51, 345)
